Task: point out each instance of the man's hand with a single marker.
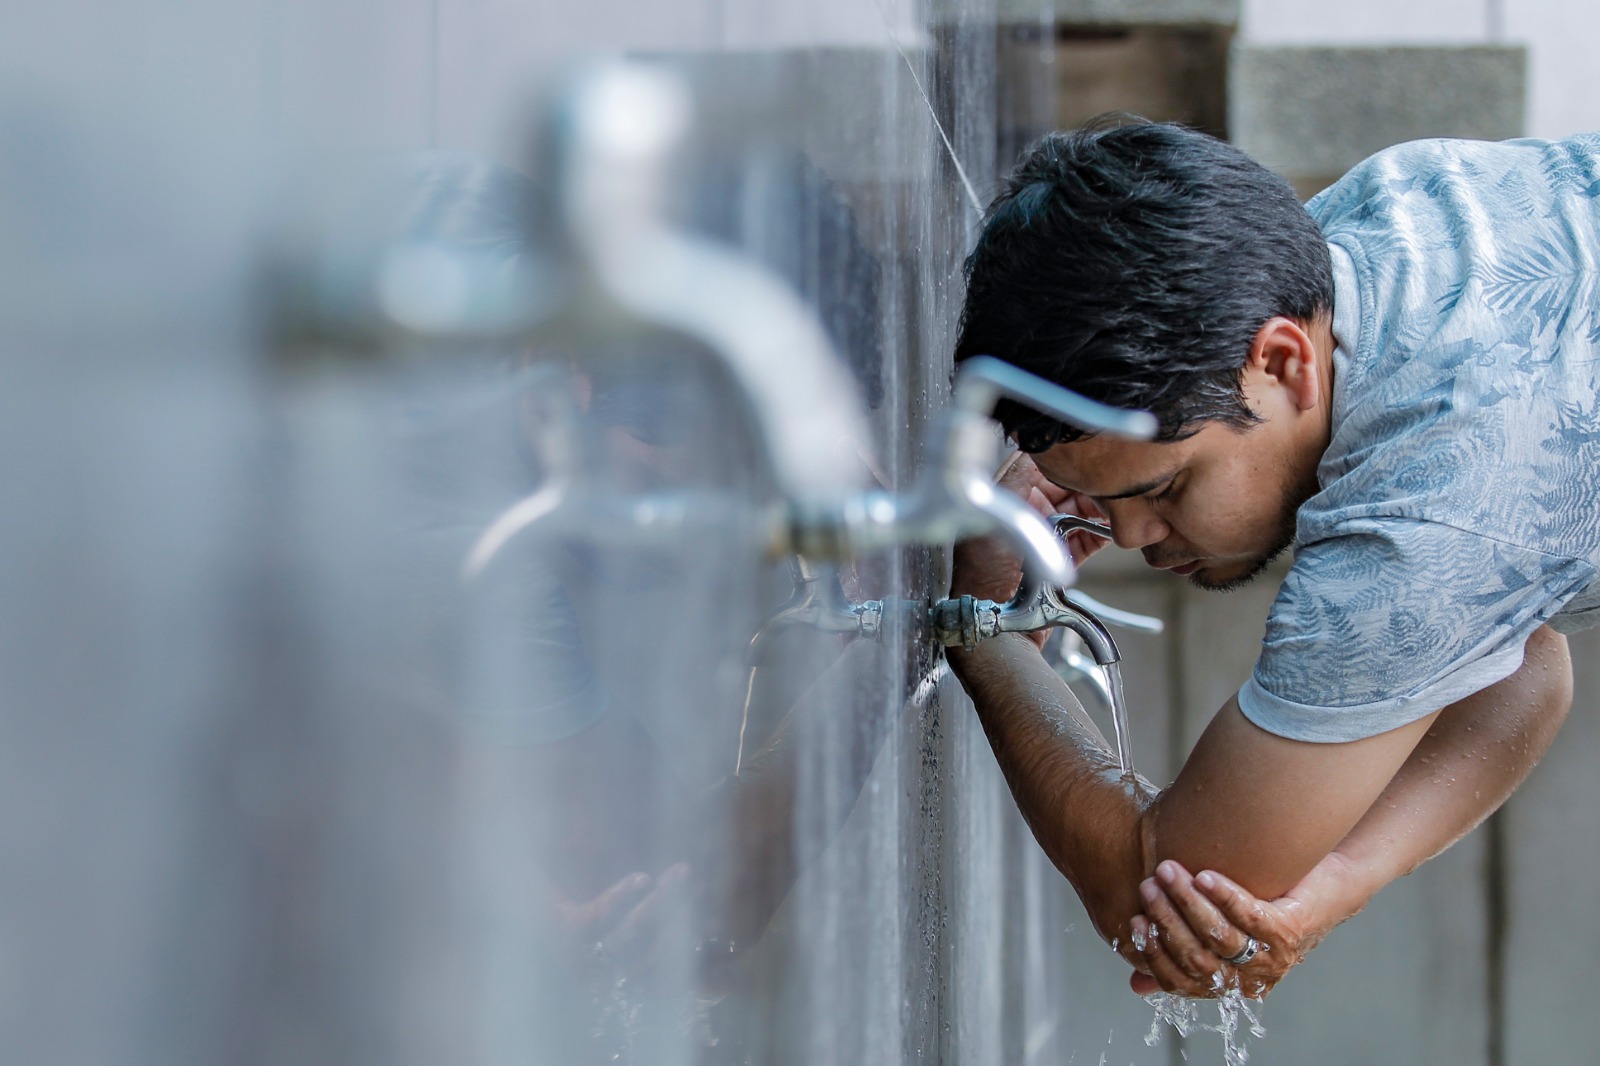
(1445, 788)
(622, 923)
(1192, 925)
(988, 567)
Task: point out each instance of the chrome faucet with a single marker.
(626, 268)
(612, 264)
(606, 150)
(955, 495)
(1039, 603)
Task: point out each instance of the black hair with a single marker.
(1134, 264)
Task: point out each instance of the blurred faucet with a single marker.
(818, 602)
(609, 263)
(608, 150)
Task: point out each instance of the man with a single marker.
(1398, 381)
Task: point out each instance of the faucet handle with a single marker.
(984, 379)
(1071, 523)
(1144, 623)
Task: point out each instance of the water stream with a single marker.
(1119, 719)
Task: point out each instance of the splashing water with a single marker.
(1183, 1014)
(1119, 719)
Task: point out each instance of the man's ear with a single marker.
(1283, 356)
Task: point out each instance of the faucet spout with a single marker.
(967, 483)
(1044, 549)
(611, 142)
(1093, 632)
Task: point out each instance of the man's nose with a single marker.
(1134, 526)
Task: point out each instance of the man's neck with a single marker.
(1321, 332)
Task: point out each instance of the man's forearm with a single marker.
(1477, 753)
(1063, 775)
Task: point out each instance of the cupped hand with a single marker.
(1193, 925)
(621, 927)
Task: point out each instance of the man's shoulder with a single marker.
(1444, 174)
(1465, 255)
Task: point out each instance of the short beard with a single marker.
(1233, 584)
(1283, 538)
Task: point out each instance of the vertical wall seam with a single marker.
(1497, 918)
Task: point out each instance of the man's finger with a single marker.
(1199, 913)
(1011, 462)
(1019, 474)
(1244, 910)
(633, 933)
(1177, 940)
(599, 913)
(1081, 505)
(1166, 971)
(1082, 545)
(1143, 984)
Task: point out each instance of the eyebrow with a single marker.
(1140, 490)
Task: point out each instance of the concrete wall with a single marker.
(238, 827)
(1313, 112)
(1564, 83)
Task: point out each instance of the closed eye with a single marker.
(1167, 493)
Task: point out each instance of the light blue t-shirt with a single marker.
(1460, 495)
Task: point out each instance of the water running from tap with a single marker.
(1119, 719)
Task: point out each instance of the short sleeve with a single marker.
(1393, 619)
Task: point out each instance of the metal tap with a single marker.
(1066, 653)
(818, 602)
(609, 263)
(626, 268)
(955, 495)
(1039, 604)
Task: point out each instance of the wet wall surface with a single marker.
(327, 737)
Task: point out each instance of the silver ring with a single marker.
(1246, 953)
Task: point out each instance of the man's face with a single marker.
(1215, 507)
